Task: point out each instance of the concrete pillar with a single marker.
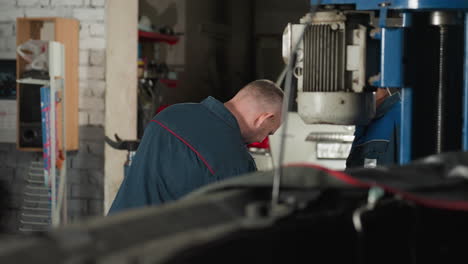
(121, 93)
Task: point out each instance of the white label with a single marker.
(370, 163)
(329, 150)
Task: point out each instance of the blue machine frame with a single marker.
(398, 4)
(391, 58)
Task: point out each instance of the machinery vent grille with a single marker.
(324, 55)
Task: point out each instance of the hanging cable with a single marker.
(288, 73)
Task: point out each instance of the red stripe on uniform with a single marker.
(187, 144)
(429, 202)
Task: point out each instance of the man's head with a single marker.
(257, 108)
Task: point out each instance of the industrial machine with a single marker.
(321, 144)
(345, 49)
(415, 213)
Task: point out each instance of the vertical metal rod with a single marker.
(405, 147)
(327, 58)
(465, 90)
(336, 46)
(319, 58)
(305, 79)
(323, 55)
(342, 62)
(317, 53)
(315, 63)
(332, 60)
(324, 59)
(441, 89)
(313, 59)
(406, 125)
(308, 57)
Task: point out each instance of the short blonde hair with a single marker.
(266, 91)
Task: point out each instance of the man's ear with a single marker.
(262, 118)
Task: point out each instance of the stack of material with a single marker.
(36, 210)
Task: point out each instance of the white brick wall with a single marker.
(82, 72)
(7, 3)
(66, 2)
(91, 14)
(97, 30)
(3, 44)
(7, 40)
(6, 30)
(85, 91)
(3, 41)
(84, 30)
(98, 3)
(10, 14)
(96, 117)
(97, 57)
(98, 87)
(91, 73)
(84, 57)
(96, 73)
(83, 117)
(8, 54)
(92, 104)
(94, 88)
(11, 44)
(93, 43)
(41, 12)
(29, 3)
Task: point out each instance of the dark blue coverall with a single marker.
(377, 144)
(184, 147)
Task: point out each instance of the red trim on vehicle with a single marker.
(441, 204)
(187, 144)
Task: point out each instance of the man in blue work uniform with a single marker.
(377, 144)
(190, 145)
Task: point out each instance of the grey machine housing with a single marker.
(330, 67)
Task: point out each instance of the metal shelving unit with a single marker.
(38, 211)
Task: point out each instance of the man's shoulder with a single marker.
(181, 106)
(181, 110)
